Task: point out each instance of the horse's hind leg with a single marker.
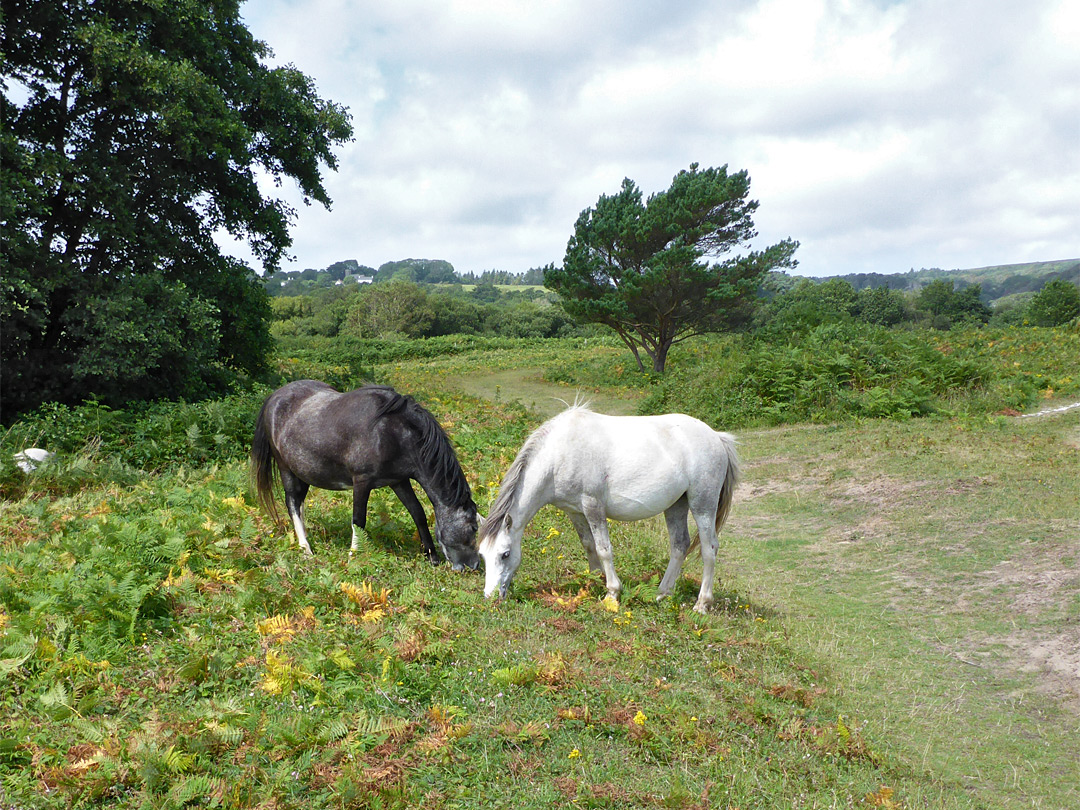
(705, 519)
(405, 494)
(295, 493)
(679, 537)
(581, 525)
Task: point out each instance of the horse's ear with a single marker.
(480, 520)
(509, 522)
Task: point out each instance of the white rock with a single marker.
(31, 458)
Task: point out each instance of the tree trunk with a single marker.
(633, 348)
(659, 357)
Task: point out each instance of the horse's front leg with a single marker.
(295, 493)
(360, 494)
(581, 525)
(596, 517)
(404, 491)
(679, 538)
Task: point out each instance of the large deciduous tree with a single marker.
(639, 266)
(134, 133)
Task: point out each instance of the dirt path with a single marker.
(527, 386)
(1051, 411)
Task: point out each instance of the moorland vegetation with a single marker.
(163, 644)
(897, 579)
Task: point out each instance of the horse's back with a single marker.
(639, 436)
(637, 465)
(292, 394)
(317, 431)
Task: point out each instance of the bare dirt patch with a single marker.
(1034, 584)
(880, 492)
(1055, 659)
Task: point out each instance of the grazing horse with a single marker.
(595, 467)
(360, 440)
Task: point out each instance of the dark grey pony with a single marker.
(360, 440)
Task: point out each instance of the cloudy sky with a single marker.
(883, 135)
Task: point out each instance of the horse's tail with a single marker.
(727, 489)
(263, 465)
(731, 479)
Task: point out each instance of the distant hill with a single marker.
(997, 281)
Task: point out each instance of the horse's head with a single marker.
(455, 532)
(501, 550)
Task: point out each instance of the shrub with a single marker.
(153, 436)
(1055, 304)
(835, 372)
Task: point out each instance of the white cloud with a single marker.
(881, 135)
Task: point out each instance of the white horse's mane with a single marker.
(509, 486)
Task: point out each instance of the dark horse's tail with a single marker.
(263, 464)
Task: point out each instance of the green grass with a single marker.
(893, 599)
(934, 563)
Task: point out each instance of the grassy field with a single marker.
(897, 626)
(935, 565)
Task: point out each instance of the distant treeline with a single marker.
(995, 282)
(786, 306)
(418, 271)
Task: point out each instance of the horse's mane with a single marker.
(509, 486)
(436, 452)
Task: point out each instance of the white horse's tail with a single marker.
(727, 490)
(731, 479)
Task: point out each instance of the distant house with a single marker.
(354, 278)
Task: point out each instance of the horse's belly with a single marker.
(322, 480)
(623, 505)
(625, 508)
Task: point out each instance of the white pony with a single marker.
(595, 467)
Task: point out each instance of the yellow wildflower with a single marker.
(640, 718)
(574, 754)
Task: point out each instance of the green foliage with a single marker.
(156, 436)
(796, 306)
(147, 339)
(394, 308)
(946, 305)
(809, 304)
(401, 309)
(882, 306)
(421, 271)
(838, 372)
(637, 266)
(141, 134)
(1055, 304)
